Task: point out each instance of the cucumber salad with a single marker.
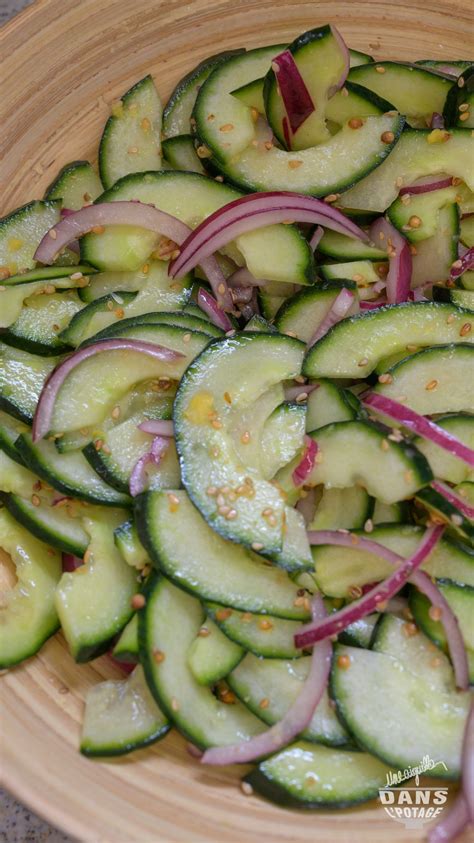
(237, 421)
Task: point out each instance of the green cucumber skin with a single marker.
(132, 746)
(46, 536)
(274, 792)
(101, 468)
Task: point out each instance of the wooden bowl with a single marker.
(63, 64)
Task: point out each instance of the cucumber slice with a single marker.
(212, 655)
(178, 318)
(21, 233)
(22, 376)
(27, 613)
(306, 776)
(121, 716)
(370, 336)
(227, 368)
(413, 651)
(277, 252)
(301, 314)
(114, 373)
(360, 633)
(185, 548)
(418, 153)
(10, 430)
(131, 141)
(467, 231)
(467, 280)
(177, 114)
(94, 601)
(394, 513)
(20, 290)
(362, 273)
(454, 67)
(262, 635)
(461, 298)
(126, 648)
(461, 94)
(269, 304)
(343, 248)
(268, 687)
(15, 478)
(258, 323)
(179, 151)
(60, 276)
(130, 546)
(339, 569)
(443, 464)
(76, 185)
(342, 509)
(413, 91)
(329, 403)
(460, 599)
(394, 721)
(55, 526)
(434, 380)
(282, 437)
(320, 60)
(39, 326)
(425, 207)
(444, 511)
(436, 255)
(82, 324)
(70, 473)
(351, 452)
(192, 707)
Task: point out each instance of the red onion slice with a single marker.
(158, 427)
(452, 496)
(210, 307)
(138, 478)
(338, 310)
(463, 264)
(316, 237)
(294, 93)
(296, 719)
(256, 211)
(420, 425)
(347, 61)
(452, 822)
(47, 399)
(426, 184)
(317, 631)
(307, 506)
(372, 305)
(398, 280)
(242, 277)
(306, 464)
(293, 392)
(437, 121)
(80, 222)
(71, 562)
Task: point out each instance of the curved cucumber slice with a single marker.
(270, 686)
(443, 464)
(361, 272)
(22, 376)
(10, 430)
(328, 403)
(93, 602)
(354, 346)
(338, 569)
(76, 185)
(351, 452)
(164, 647)
(178, 318)
(444, 511)
(121, 716)
(303, 313)
(418, 153)
(68, 473)
(131, 142)
(126, 648)
(185, 548)
(413, 91)
(306, 776)
(28, 616)
(394, 721)
(14, 477)
(177, 114)
(435, 380)
(282, 437)
(277, 252)
(343, 248)
(212, 655)
(130, 546)
(425, 206)
(204, 419)
(52, 525)
(436, 255)
(60, 276)
(346, 509)
(179, 151)
(39, 324)
(82, 324)
(21, 233)
(260, 634)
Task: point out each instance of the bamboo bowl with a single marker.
(63, 64)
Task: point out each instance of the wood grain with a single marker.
(63, 63)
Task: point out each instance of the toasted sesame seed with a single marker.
(355, 123)
(369, 525)
(380, 69)
(138, 601)
(363, 362)
(245, 438)
(405, 199)
(301, 398)
(435, 613)
(257, 546)
(158, 656)
(203, 152)
(204, 632)
(223, 614)
(227, 398)
(385, 378)
(465, 330)
(264, 703)
(49, 289)
(410, 629)
(216, 424)
(431, 385)
(461, 82)
(463, 107)
(35, 500)
(358, 278)
(398, 181)
(211, 491)
(232, 515)
(343, 662)
(98, 444)
(413, 249)
(173, 502)
(226, 127)
(355, 591)
(265, 624)
(174, 704)
(414, 222)
(132, 150)
(332, 197)
(387, 137)
(246, 788)
(223, 510)
(294, 163)
(115, 413)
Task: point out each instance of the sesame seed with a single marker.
(463, 107)
(227, 398)
(387, 137)
(410, 629)
(211, 117)
(246, 788)
(257, 546)
(294, 163)
(405, 199)
(301, 398)
(265, 624)
(264, 703)
(380, 69)
(211, 491)
(173, 502)
(399, 181)
(158, 656)
(232, 515)
(98, 229)
(35, 500)
(363, 362)
(98, 444)
(413, 249)
(461, 82)
(203, 152)
(343, 662)
(385, 378)
(115, 413)
(226, 127)
(332, 197)
(223, 510)
(408, 476)
(268, 145)
(431, 385)
(456, 520)
(355, 123)
(254, 114)
(465, 330)
(435, 613)
(355, 591)
(175, 704)
(204, 632)
(138, 601)
(186, 337)
(245, 438)
(414, 222)
(357, 278)
(369, 525)
(49, 289)
(132, 150)
(455, 181)
(223, 614)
